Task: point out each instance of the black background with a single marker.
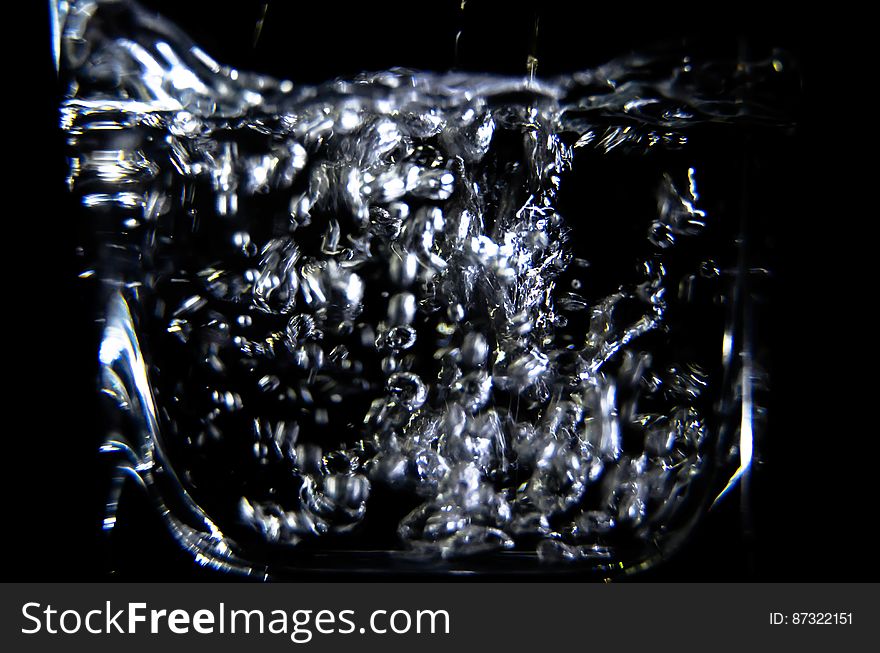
(810, 511)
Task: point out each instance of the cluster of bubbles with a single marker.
(368, 287)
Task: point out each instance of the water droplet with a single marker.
(402, 309)
(408, 389)
(474, 350)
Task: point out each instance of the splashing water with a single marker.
(487, 310)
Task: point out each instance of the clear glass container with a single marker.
(429, 322)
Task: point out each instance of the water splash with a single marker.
(373, 287)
